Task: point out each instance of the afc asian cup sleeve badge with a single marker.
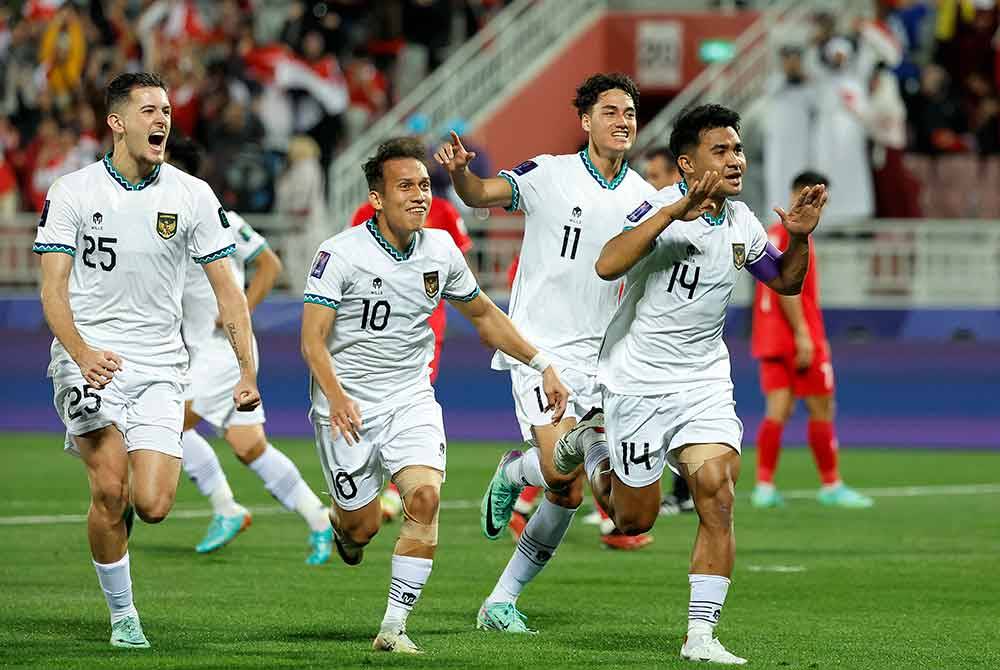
(739, 255)
(166, 225)
(431, 284)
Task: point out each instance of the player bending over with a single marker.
(116, 239)
(664, 368)
(366, 338)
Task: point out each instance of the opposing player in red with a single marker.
(789, 340)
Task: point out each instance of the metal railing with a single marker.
(519, 38)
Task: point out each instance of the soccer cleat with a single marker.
(764, 497)
(392, 504)
(593, 519)
(503, 617)
(223, 530)
(498, 501)
(349, 553)
(671, 505)
(128, 516)
(321, 542)
(619, 541)
(395, 642)
(516, 525)
(572, 447)
(708, 648)
(842, 495)
(127, 634)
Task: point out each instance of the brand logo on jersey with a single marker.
(524, 168)
(166, 224)
(319, 265)
(98, 218)
(639, 212)
(377, 286)
(431, 284)
(577, 213)
(222, 218)
(691, 250)
(45, 214)
(739, 255)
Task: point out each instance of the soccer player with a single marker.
(116, 238)
(789, 340)
(367, 340)
(214, 371)
(664, 368)
(573, 204)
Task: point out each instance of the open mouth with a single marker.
(157, 138)
(417, 210)
(620, 135)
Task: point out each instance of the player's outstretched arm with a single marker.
(97, 367)
(474, 191)
(267, 269)
(236, 324)
(800, 222)
(317, 324)
(624, 250)
(497, 331)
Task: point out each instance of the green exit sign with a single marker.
(716, 51)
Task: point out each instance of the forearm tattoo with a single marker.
(234, 342)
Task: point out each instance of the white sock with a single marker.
(535, 548)
(708, 595)
(527, 469)
(116, 582)
(280, 476)
(595, 455)
(202, 465)
(409, 575)
(310, 507)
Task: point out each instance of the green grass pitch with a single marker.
(909, 584)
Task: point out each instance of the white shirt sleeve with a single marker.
(211, 234)
(249, 243)
(756, 235)
(325, 283)
(460, 285)
(59, 223)
(526, 181)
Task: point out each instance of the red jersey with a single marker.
(772, 334)
(442, 216)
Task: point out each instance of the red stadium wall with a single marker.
(539, 117)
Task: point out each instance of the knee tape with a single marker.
(693, 456)
(414, 533)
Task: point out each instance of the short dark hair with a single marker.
(120, 87)
(809, 178)
(589, 91)
(692, 122)
(398, 147)
(184, 153)
(662, 152)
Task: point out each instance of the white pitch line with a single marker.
(887, 492)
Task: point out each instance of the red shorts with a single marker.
(437, 322)
(781, 373)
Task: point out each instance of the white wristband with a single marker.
(540, 362)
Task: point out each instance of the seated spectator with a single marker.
(937, 118)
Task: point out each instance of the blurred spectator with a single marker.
(62, 55)
(937, 117)
(300, 199)
(368, 92)
(788, 131)
(9, 140)
(660, 168)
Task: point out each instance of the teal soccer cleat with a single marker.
(222, 531)
(766, 497)
(503, 617)
(321, 542)
(842, 495)
(127, 634)
(499, 500)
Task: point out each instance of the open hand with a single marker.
(804, 215)
(699, 198)
(453, 155)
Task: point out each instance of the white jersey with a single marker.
(381, 342)
(201, 310)
(558, 302)
(666, 335)
(131, 246)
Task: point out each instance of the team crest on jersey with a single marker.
(739, 255)
(166, 225)
(431, 284)
(639, 212)
(524, 168)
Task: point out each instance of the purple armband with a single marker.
(766, 267)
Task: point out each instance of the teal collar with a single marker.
(596, 174)
(716, 220)
(125, 183)
(372, 227)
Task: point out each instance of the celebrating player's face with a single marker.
(406, 196)
(720, 150)
(611, 122)
(145, 120)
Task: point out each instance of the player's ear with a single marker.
(685, 165)
(375, 200)
(115, 123)
(585, 122)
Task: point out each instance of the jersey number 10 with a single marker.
(376, 316)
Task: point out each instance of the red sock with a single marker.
(823, 442)
(529, 493)
(768, 449)
(393, 487)
(600, 510)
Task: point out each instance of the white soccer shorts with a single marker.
(645, 432)
(398, 437)
(214, 373)
(146, 403)
(529, 398)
